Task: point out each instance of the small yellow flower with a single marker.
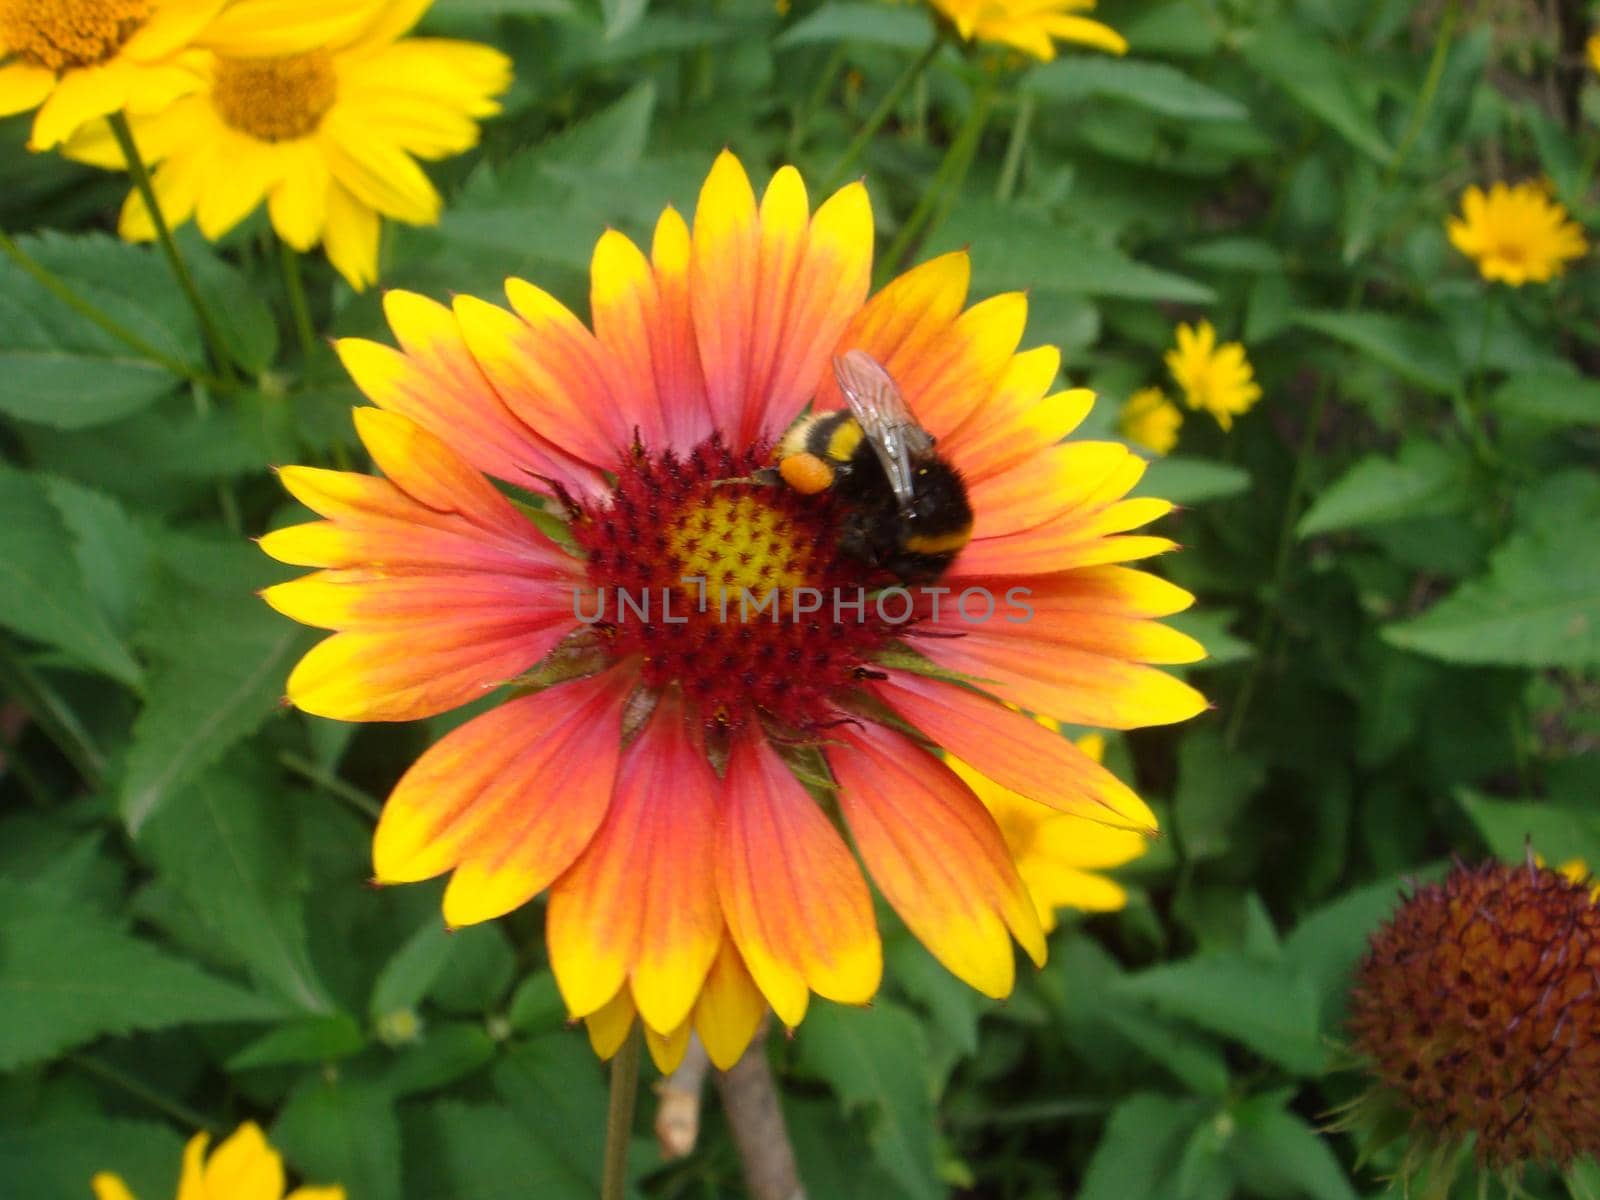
(1216, 378)
(1593, 48)
(1517, 234)
(1150, 420)
(244, 1165)
(1032, 26)
(1056, 853)
(326, 133)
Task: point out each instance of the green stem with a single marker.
(94, 314)
(180, 269)
(879, 115)
(1466, 397)
(935, 203)
(1011, 167)
(826, 78)
(181, 1113)
(1430, 87)
(619, 1118)
(294, 284)
(332, 784)
(53, 715)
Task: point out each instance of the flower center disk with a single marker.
(275, 99)
(735, 591)
(62, 34)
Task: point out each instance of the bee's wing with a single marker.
(881, 410)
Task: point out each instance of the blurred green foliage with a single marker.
(1395, 555)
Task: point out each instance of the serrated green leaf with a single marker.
(1266, 1006)
(1424, 480)
(59, 1155)
(343, 1132)
(557, 1090)
(871, 24)
(1556, 399)
(68, 976)
(1150, 85)
(222, 844)
(71, 390)
(484, 1153)
(1276, 1153)
(1215, 785)
(1012, 249)
(1539, 605)
(44, 594)
(1318, 77)
(110, 548)
(1512, 827)
(218, 665)
(1141, 1150)
(876, 1058)
(1410, 347)
(245, 324)
(442, 1054)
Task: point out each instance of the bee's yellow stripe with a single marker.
(844, 441)
(939, 543)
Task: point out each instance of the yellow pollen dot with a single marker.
(275, 99)
(737, 543)
(62, 34)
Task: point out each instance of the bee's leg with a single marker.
(765, 477)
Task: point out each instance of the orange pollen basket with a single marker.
(275, 99)
(62, 34)
(729, 589)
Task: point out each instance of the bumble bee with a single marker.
(906, 508)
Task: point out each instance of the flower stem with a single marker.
(1012, 166)
(63, 292)
(295, 285)
(931, 210)
(180, 269)
(750, 1100)
(803, 115)
(1468, 393)
(1430, 87)
(619, 1118)
(879, 115)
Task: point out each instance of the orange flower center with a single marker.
(275, 99)
(62, 34)
(737, 592)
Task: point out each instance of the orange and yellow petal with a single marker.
(511, 798)
(771, 287)
(794, 899)
(936, 855)
(639, 905)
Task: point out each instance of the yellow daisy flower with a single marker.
(1216, 378)
(1150, 420)
(244, 1165)
(1517, 234)
(328, 136)
(1057, 853)
(1032, 26)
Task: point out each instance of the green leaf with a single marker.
(1215, 785)
(1554, 399)
(309, 1040)
(1318, 77)
(1539, 605)
(345, 1133)
(1425, 480)
(68, 976)
(59, 1155)
(1191, 480)
(1266, 1006)
(871, 24)
(1276, 1153)
(1327, 943)
(1247, 254)
(484, 1153)
(1511, 827)
(1140, 1151)
(406, 977)
(546, 8)
(218, 665)
(72, 390)
(441, 1055)
(244, 322)
(224, 845)
(1209, 627)
(110, 548)
(1411, 348)
(44, 594)
(1017, 249)
(876, 1058)
(557, 1090)
(1154, 86)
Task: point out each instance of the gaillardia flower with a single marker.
(76, 60)
(1478, 1009)
(702, 642)
(1057, 853)
(326, 132)
(243, 1166)
(1516, 234)
(1031, 26)
(1150, 420)
(1216, 378)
